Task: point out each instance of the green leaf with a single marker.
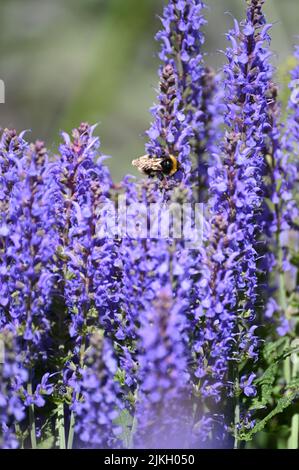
(47, 443)
(271, 350)
(267, 380)
(281, 405)
(267, 383)
(69, 275)
(126, 422)
(120, 376)
(295, 259)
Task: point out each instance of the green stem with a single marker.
(237, 413)
(287, 369)
(72, 419)
(237, 421)
(60, 426)
(19, 434)
(132, 432)
(283, 304)
(287, 366)
(282, 285)
(70, 439)
(293, 440)
(31, 418)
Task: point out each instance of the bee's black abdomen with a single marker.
(167, 165)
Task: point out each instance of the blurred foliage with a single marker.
(64, 61)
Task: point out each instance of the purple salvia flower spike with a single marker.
(12, 378)
(163, 408)
(99, 405)
(228, 287)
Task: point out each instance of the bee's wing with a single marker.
(147, 164)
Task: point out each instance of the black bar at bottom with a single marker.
(150, 458)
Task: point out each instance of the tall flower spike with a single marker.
(27, 265)
(209, 123)
(163, 408)
(151, 260)
(293, 118)
(182, 41)
(99, 405)
(82, 185)
(145, 268)
(12, 378)
(88, 257)
(12, 146)
(228, 287)
(281, 176)
(290, 142)
(169, 135)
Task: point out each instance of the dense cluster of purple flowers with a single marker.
(169, 133)
(13, 376)
(29, 248)
(82, 185)
(163, 411)
(193, 127)
(293, 120)
(281, 217)
(98, 406)
(118, 336)
(226, 335)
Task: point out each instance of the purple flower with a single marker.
(280, 214)
(169, 133)
(284, 327)
(186, 111)
(198, 96)
(163, 407)
(247, 385)
(12, 378)
(293, 118)
(82, 186)
(88, 269)
(227, 290)
(28, 244)
(132, 326)
(99, 406)
(148, 264)
(43, 388)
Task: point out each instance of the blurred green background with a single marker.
(65, 61)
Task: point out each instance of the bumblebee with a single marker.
(152, 166)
